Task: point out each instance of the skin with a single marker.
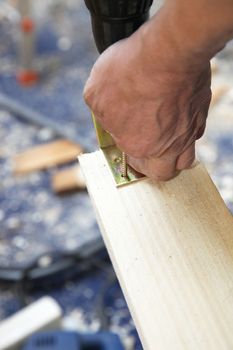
(152, 90)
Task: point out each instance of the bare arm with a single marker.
(152, 90)
(196, 29)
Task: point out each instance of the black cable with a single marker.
(62, 266)
(54, 263)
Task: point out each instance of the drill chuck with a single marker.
(113, 20)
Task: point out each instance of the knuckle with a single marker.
(87, 94)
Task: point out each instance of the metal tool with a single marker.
(113, 20)
(27, 74)
(60, 340)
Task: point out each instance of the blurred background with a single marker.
(49, 240)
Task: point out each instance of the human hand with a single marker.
(154, 108)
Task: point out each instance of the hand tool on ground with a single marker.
(42, 314)
(60, 340)
(27, 75)
(113, 20)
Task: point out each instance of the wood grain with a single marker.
(45, 156)
(171, 245)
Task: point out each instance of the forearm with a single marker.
(204, 26)
(194, 30)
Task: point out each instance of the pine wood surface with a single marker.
(171, 245)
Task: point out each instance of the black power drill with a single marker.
(113, 20)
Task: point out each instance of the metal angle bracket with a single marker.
(114, 157)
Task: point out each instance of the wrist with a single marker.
(199, 29)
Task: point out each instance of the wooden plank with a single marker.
(46, 155)
(68, 179)
(172, 248)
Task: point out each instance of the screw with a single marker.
(124, 165)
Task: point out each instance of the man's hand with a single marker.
(154, 115)
(152, 90)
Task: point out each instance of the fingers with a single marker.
(160, 169)
(186, 159)
(88, 92)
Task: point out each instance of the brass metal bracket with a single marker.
(114, 157)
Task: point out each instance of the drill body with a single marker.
(113, 20)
